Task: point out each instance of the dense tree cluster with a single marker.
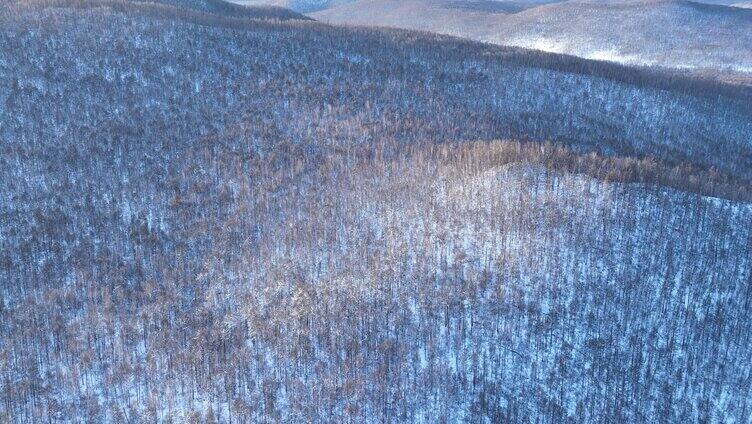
(290, 222)
(352, 287)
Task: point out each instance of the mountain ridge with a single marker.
(220, 8)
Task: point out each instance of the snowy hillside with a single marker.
(676, 34)
(212, 213)
(679, 34)
(309, 6)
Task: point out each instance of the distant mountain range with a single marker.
(302, 6)
(308, 6)
(673, 33)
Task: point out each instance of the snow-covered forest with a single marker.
(211, 213)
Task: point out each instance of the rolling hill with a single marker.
(213, 214)
(675, 34)
(310, 6)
